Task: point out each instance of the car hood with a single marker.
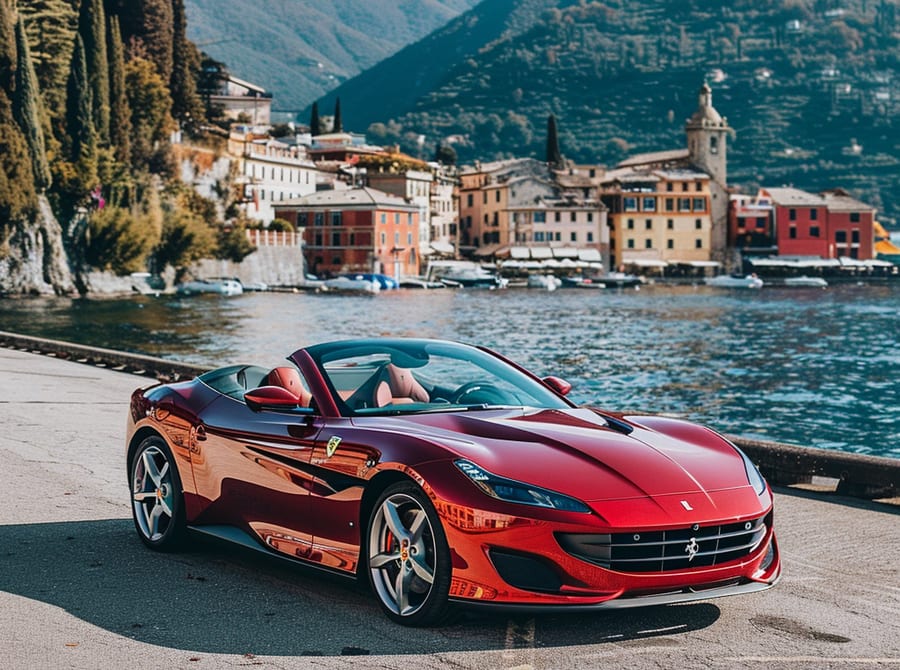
(578, 453)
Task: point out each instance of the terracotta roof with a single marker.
(794, 196)
(356, 198)
(656, 158)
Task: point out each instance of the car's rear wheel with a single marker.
(157, 500)
(408, 558)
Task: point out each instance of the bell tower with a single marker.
(707, 138)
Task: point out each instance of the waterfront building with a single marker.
(414, 186)
(523, 203)
(659, 216)
(241, 100)
(268, 171)
(356, 230)
(444, 211)
(692, 205)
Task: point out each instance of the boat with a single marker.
(213, 285)
(420, 282)
(805, 282)
(546, 282)
(385, 282)
(464, 274)
(731, 281)
(351, 284)
(618, 279)
(581, 282)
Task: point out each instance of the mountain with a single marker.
(298, 49)
(811, 88)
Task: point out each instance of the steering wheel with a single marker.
(481, 392)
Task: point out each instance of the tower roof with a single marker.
(706, 115)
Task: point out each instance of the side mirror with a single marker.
(271, 397)
(561, 386)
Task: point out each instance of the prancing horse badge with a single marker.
(332, 446)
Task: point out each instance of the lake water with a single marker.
(805, 366)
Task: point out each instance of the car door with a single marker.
(252, 470)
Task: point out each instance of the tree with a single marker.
(119, 111)
(149, 100)
(51, 26)
(233, 242)
(185, 238)
(92, 29)
(151, 23)
(27, 109)
(117, 241)
(338, 125)
(186, 106)
(554, 157)
(314, 120)
(79, 117)
(445, 154)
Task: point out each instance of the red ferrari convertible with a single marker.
(444, 473)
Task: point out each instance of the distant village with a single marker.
(355, 207)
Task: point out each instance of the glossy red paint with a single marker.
(303, 482)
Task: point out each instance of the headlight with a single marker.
(753, 475)
(519, 492)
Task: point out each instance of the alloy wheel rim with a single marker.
(153, 493)
(402, 554)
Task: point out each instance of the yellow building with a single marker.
(658, 216)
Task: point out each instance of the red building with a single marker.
(356, 230)
(828, 225)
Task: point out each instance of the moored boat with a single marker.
(214, 285)
(805, 282)
(730, 281)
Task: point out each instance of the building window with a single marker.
(669, 186)
(301, 218)
(854, 236)
(792, 232)
(336, 218)
(699, 204)
(814, 230)
(539, 236)
(383, 218)
(336, 260)
(813, 214)
(760, 223)
(670, 224)
(698, 224)
(713, 145)
(590, 217)
(590, 236)
(573, 217)
(670, 244)
(352, 240)
(854, 217)
(557, 216)
(648, 244)
(409, 238)
(649, 204)
(317, 240)
(648, 224)
(631, 244)
(484, 197)
(840, 236)
(383, 239)
(698, 186)
(684, 186)
(396, 239)
(630, 204)
(792, 214)
(497, 196)
(320, 219)
(573, 237)
(630, 224)
(540, 217)
(684, 204)
(698, 244)
(670, 204)
(409, 219)
(335, 239)
(396, 218)
(469, 200)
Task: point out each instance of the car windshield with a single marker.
(412, 376)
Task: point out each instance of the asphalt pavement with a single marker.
(79, 590)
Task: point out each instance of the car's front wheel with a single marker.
(157, 502)
(408, 557)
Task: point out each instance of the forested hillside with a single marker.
(299, 49)
(811, 87)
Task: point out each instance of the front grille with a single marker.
(663, 551)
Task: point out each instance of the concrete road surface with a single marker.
(79, 590)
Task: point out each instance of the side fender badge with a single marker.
(332, 446)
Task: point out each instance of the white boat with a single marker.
(730, 281)
(465, 274)
(345, 284)
(546, 282)
(806, 282)
(217, 285)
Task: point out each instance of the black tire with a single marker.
(407, 557)
(157, 499)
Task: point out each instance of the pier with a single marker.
(79, 590)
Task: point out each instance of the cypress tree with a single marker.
(186, 105)
(314, 119)
(338, 123)
(27, 109)
(79, 116)
(119, 111)
(92, 29)
(554, 157)
(17, 196)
